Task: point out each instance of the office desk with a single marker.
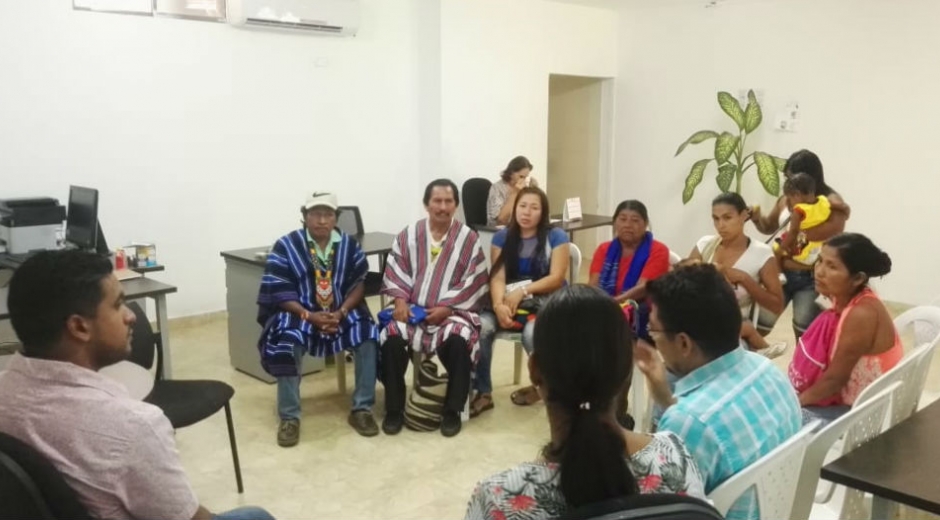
(588, 221)
(898, 466)
(134, 289)
(243, 271)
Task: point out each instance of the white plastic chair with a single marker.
(574, 268)
(911, 372)
(924, 323)
(641, 401)
(674, 258)
(775, 476)
(859, 425)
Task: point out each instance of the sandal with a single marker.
(480, 404)
(525, 396)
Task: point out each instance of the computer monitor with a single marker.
(81, 225)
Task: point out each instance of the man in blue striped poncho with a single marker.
(312, 302)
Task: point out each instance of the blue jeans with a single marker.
(483, 382)
(244, 513)
(826, 414)
(288, 388)
(801, 290)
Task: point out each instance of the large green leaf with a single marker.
(731, 107)
(725, 177)
(696, 138)
(752, 114)
(779, 163)
(767, 173)
(696, 174)
(725, 146)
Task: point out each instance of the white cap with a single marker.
(323, 198)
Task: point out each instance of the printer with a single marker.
(30, 224)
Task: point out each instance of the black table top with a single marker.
(372, 243)
(899, 465)
(134, 288)
(148, 269)
(587, 221)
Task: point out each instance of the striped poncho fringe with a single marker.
(289, 276)
(457, 280)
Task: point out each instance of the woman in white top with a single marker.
(503, 193)
(748, 265)
(590, 457)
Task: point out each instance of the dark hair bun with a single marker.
(882, 266)
(861, 255)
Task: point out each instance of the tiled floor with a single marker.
(335, 473)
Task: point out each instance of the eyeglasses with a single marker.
(650, 332)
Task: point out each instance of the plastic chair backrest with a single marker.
(858, 425)
(574, 265)
(32, 487)
(350, 220)
(674, 257)
(646, 507)
(143, 341)
(775, 476)
(907, 372)
(474, 193)
(924, 322)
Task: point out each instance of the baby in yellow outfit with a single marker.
(807, 210)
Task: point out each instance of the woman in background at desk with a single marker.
(503, 193)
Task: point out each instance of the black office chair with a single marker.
(473, 195)
(646, 507)
(32, 487)
(350, 222)
(184, 402)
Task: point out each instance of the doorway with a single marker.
(579, 148)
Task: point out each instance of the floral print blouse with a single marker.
(531, 490)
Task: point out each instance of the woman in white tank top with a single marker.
(749, 266)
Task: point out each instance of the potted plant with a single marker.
(729, 154)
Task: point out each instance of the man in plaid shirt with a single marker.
(730, 406)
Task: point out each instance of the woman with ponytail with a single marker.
(590, 457)
(851, 344)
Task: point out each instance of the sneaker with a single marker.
(393, 423)
(774, 350)
(363, 422)
(450, 424)
(288, 433)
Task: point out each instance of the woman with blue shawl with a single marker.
(312, 302)
(622, 266)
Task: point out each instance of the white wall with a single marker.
(574, 150)
(865, 74)
(496, 57)
(202, 137)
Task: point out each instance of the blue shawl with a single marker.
(289, 276)
(608, 277)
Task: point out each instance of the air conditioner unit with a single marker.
(338, 17)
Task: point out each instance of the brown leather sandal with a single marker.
(525, 396)
(480, 404)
